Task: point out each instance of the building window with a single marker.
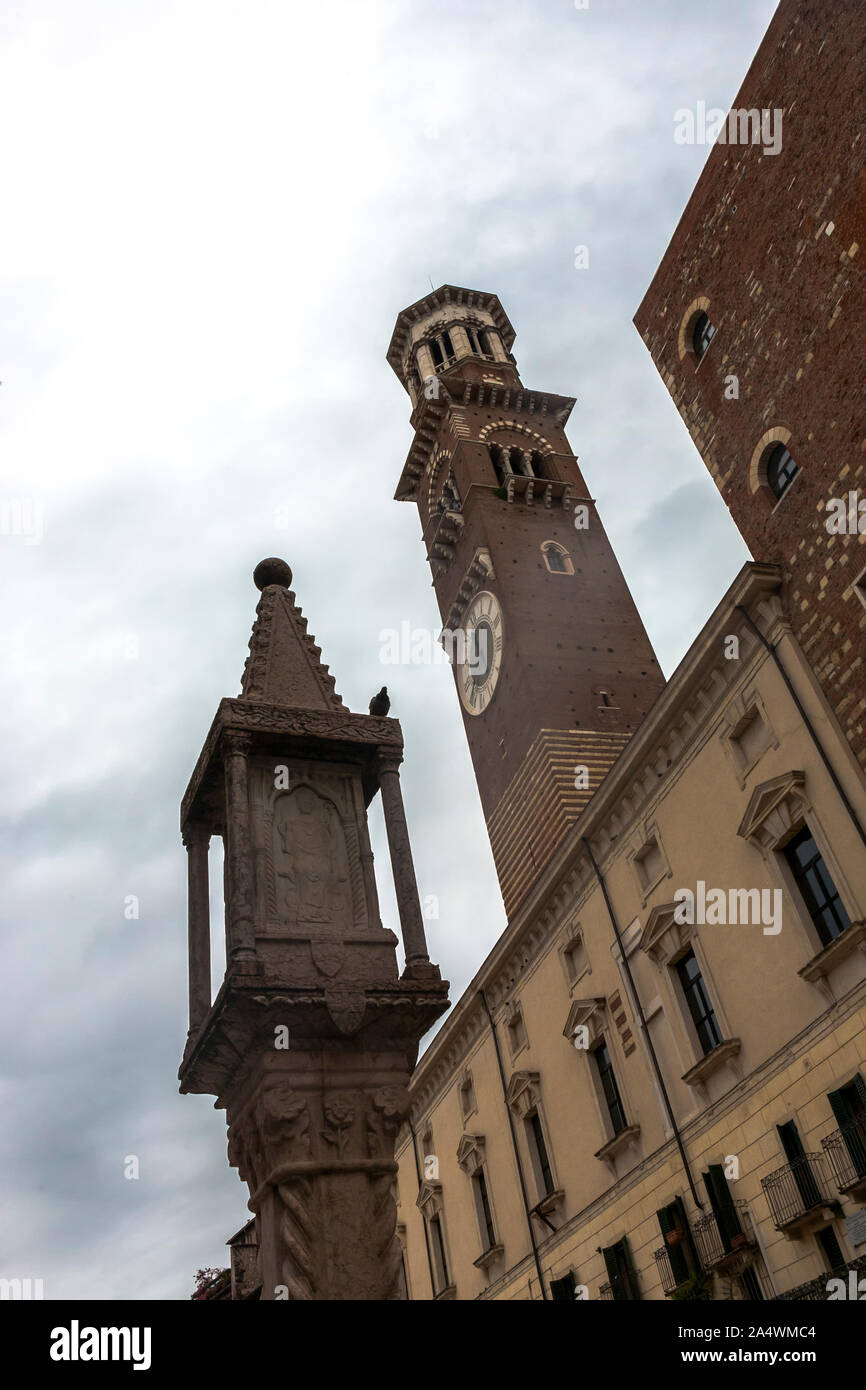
(482, 1209)
(816, 887)
(556, 558)
(562, 1290)
(436, 353)
(725, 1213)
(468, 1104)
(859, 587)
(700, 1008)
(674, 1227)
(781, 470)
(538, 1151)
(702, 334)
(620, 1272)
(799, 1164)
(574, 958)
(849, 1107)
(437, 1250)
(610, 1090)
(650, 864)
(484, 343)
(830, 1248)
(517, 1038)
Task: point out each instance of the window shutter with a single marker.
(722, 1203)
(841, 1108)
(792, 1144)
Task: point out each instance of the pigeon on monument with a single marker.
(380, 704)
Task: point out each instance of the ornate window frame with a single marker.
(666, 941)
(466, 1089)
(573, 937)
(546, 547)
(648, 882)
(515, 1020)
(472, 1160)
(523, 1096)
(739, 714)
(776, 811)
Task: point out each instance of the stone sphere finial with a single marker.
(272, 571)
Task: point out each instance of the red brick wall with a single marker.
(776, 243)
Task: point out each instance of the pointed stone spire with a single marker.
(284, 665)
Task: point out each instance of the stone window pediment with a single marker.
(429, 1199)
(471, 1153)
(664, 938)
(775, 810)
(523, 1092)
(588, 1014)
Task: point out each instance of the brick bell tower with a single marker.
(552, 664)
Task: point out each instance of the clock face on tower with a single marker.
(478, 673)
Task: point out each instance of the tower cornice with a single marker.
(443, 298)
(429, 414)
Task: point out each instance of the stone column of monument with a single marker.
(311, 1040)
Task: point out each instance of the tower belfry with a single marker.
(312, 1037)
(553, 667)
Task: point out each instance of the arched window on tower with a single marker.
(473, 339)
(520, 463)
(556, 558)
(781, 470)
(702, 334)
(484, 343)
(436, 353)
(498, 459)
(451, 495)
(540, 465)
(448, 347)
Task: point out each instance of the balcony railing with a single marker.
(666, 1274)
(845, 1149)
(715, 1245)
(796, 1189)
(606, 1291)
(816, 1291)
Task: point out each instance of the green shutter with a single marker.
(841, 1108)
(618, 1264)
(722, 1203)
(792, 1144)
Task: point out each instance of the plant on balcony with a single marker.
(697, 1286)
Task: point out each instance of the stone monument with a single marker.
(311, 1040)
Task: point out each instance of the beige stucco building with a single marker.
(541, 1161)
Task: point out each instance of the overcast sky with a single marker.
(212, 214)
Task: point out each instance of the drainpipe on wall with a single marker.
(643, 1023)
(523, 1193)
